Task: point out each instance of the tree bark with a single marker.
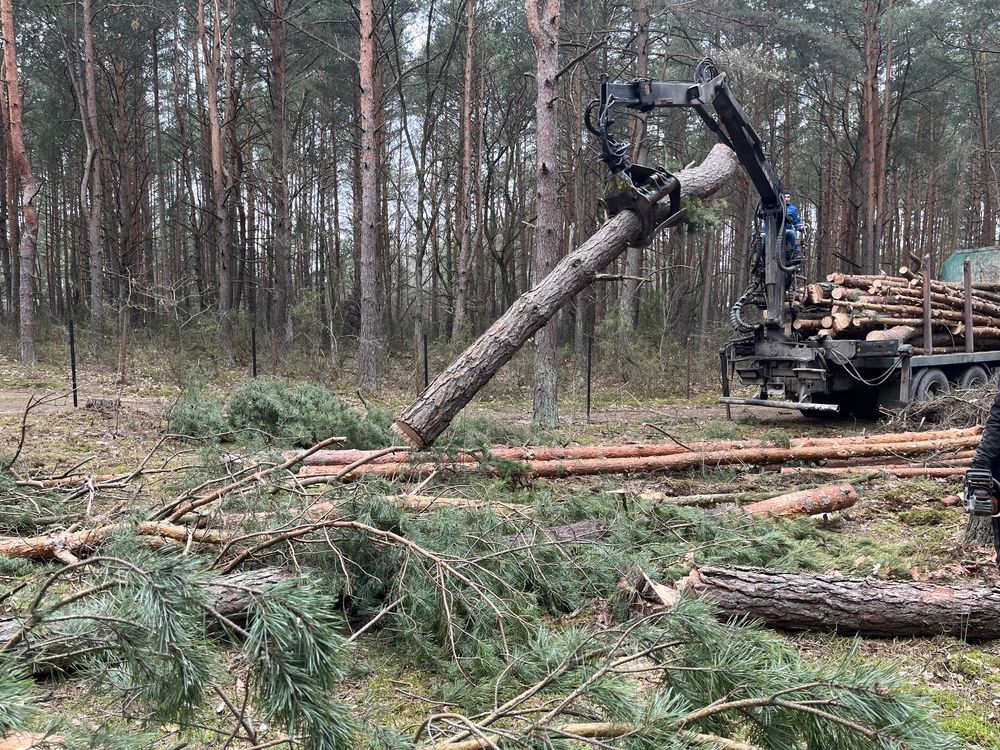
(796, 601)
(464, 198)
(368, 335)
(28, 247)
(281, 319)
(543, 23)
(221, 180)
(427, 417)
(92, 182)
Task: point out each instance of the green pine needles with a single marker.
(295, 649)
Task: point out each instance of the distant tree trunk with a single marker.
(870, 261)
(464, 197)
(628, 302)
(29, 188)
(281, 319)
(367, 339)
(212, 54)
(983, 113)
(543, 23)
(92, 182)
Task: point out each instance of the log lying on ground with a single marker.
(825, 499)
(332, 462)
(676, 461)
(799, 601)
(56, 545)
(902, 472)
(432, 411)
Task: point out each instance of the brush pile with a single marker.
(957, 409)
(881, 308)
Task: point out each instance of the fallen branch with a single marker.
(174, 513)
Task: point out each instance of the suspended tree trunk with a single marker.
(220, 177)
(428, 416)
(367, 339)
(29, 189)
(543, 23)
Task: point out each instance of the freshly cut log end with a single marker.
(863, 606)
(408, 434)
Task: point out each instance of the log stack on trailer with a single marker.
(960, 317)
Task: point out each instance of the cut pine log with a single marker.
(428, 416)
(675, 462)
(908, 472)
(53, 545)
(896, 333)
(863, 606)
(334, 461)
(826, 499)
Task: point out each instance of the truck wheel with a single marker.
(972, 376)
(930, 384)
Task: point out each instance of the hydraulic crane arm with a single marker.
(635, 187)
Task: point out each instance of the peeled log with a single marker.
(679, 461)
(864, 606)
(826, 499)
(428, 416)
(333, 461)
(928, 472)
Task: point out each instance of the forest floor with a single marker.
(901, 529)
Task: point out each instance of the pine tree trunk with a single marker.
(368, 212)
(212, 53)
(543, 23)
(281, 319)
(92, 182)
(430, 414)
(464, 197)
(28, 247)
(798, 601)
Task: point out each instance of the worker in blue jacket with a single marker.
(793, 225)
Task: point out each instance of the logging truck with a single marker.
(880, 347)
(913, 339)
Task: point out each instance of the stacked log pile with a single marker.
(914, 452)
(880, 308)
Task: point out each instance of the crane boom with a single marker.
(635, 187)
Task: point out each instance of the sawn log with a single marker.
(427, 417)
(863, 606)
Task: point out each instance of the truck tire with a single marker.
(930, 384)
(972, 376)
